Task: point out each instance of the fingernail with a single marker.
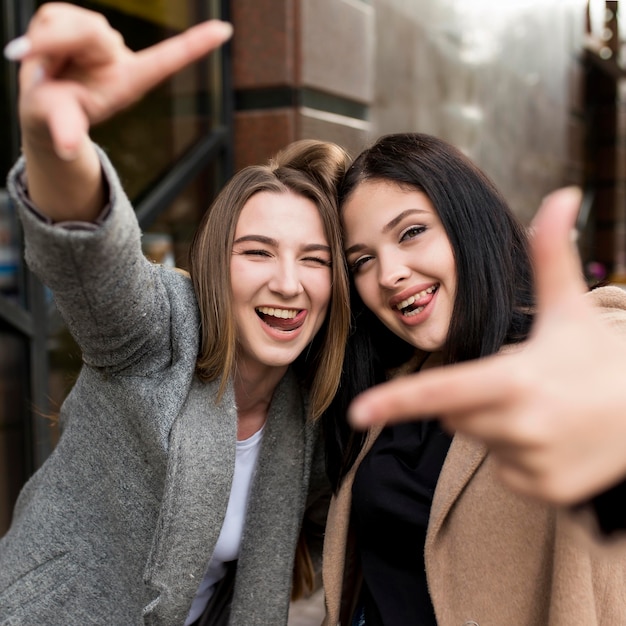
(574, 194)
(571, 194)
(17, 49)
(224, 29)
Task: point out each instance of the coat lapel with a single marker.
(334, 564)
(200, 469)
(264, 570)
(463, 459)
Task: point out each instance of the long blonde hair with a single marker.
(310, 169)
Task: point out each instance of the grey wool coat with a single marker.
(119, 524)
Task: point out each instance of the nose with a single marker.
(285, 280)
(391, 269)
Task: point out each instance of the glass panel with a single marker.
(168, 239)
(143, 143)
(145, 140)
(9, 249)
(5, 94)
(13, 417)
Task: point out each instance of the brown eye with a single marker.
(359, 263)
(411, 232)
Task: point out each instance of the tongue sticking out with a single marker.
(283, 324)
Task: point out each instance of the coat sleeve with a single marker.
(605, 515)
(109, 294)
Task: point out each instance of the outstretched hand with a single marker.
(76, 71)
(554, 412)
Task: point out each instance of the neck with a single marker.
(253, 395)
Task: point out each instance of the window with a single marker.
(172, 150)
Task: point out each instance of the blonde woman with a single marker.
(188, 474)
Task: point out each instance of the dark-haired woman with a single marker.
(421, 530)
(188, 473)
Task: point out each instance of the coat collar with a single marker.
(464, 457)
(199, 476)
(275, 511)
(200, 468)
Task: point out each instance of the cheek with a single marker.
(326, 288)
(442, 264)
(246, 273)
(243, 280)
(320, 288)
(452, 278)
(367, 289)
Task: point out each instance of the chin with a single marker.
(280, 360)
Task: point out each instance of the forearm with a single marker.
(64, 190)
(110, 296)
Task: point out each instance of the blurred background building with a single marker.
(533, 91)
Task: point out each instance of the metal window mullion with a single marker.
(40, 432)
(179, 176)
(228, 100)
(16, 316)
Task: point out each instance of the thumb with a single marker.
(558, 274)
(69, 128)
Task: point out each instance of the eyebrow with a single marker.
(258, 238)
(398, 218)
(386, 228)
(272, 242)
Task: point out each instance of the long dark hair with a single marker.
(494, 291)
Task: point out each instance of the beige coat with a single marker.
(493, 558)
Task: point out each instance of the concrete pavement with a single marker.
(308, 611)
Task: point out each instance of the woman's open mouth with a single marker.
(281, 319)
(415, 304)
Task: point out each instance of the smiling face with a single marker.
(401, 260)
(281, 279)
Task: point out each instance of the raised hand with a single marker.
(75, 72)
(553, 412)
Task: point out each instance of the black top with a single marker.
(610, 509)
(391, 500)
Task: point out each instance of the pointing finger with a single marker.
(165, 58)
(456, 388)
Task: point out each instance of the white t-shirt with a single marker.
(227, 546)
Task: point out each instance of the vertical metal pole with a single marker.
(228, 100)
(38, 434)
(40, 431)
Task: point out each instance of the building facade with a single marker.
(532, 91)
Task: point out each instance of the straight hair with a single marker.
(310, 169)
(494, 294)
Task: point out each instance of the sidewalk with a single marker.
(307, 612)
